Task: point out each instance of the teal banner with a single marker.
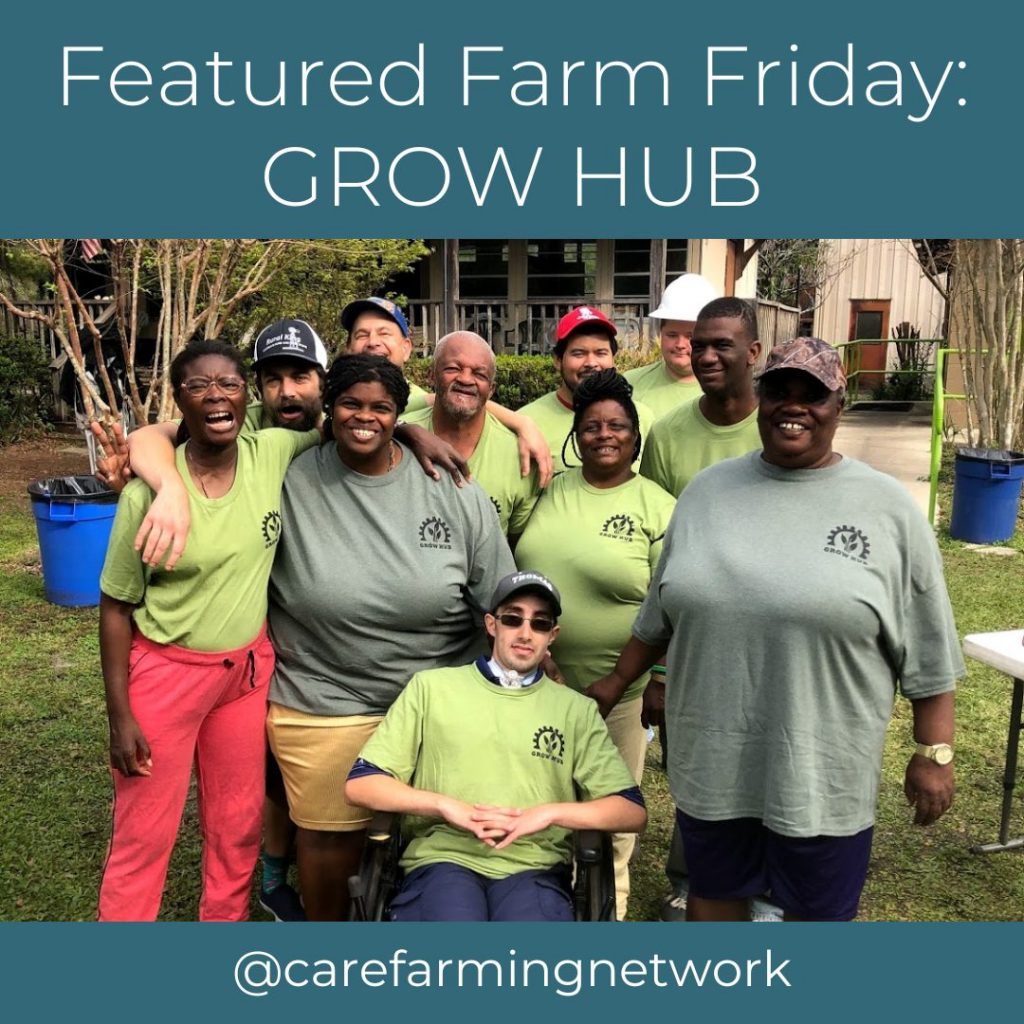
(456, 119)
(534, 119)
(572, 972)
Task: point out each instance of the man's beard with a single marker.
(308, 420)
(455, 411)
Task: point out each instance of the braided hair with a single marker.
(361, 368)
(605, 385)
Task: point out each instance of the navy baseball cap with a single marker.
(376, 305)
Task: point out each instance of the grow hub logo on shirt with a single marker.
(848, 542)
(271, 528)
(435, 533)
(549, 743)
(619, 528)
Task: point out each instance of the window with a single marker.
(559, 268)
(483, 268)
(633, 265)
(632, 268)
(675, 258)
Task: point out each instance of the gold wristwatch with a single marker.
(940, 753)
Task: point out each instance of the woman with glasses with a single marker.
(186, 659)
(597, 533)
(381, 572)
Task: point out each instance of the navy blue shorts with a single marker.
(816, 879)
(448, 892)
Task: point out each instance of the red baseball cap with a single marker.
(584, 316)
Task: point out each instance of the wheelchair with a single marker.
(380, 876)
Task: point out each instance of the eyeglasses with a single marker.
(539, 624)
(199, 386)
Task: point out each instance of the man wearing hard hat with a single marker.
(669, 381)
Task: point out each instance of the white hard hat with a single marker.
(684, 298)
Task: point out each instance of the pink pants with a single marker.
(209, 708)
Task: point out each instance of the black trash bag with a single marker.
(1000, 455)
(72, 490)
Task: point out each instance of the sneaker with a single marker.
(283, 904)
(673, 907)
(764, 911)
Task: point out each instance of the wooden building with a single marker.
(513, 291)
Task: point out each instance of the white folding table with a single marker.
(1004, 651)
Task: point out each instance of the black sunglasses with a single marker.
(539, 623)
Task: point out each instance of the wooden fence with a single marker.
(12, 326)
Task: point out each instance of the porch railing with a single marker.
(528, 328)
(524, 328)
(894, 377)
(12, 326)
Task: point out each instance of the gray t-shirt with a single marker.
(366, 586)
(793, 603)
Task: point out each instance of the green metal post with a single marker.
(938, 420)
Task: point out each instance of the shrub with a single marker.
(521, 379)
(912, 386)
(631, 358)
(417, 371)
(26, 401)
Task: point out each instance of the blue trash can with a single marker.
(986, 494)
(74, 515)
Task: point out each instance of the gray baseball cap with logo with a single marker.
(517, 582)
(290, 339)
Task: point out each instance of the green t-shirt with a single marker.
(417, 399)
(684, 442)
(376, 578)
(255, 418)
(554, 420)
(495, 467)
(600, 548)
(454, 732)
(659, 390)
(215, 599)
(794, 602)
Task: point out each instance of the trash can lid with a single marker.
(75, 490)
(990, 455)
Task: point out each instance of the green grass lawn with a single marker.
(54, 801)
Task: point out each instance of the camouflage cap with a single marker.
(813, 356)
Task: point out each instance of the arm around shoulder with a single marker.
(168, 521)
(533, 447)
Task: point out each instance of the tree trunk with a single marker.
(986, 304)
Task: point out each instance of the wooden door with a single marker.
(869, 319)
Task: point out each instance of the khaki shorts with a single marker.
(315, 754)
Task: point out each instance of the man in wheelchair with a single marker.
(485, 760)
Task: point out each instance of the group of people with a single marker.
(704, 558)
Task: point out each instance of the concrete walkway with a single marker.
(897, 443)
